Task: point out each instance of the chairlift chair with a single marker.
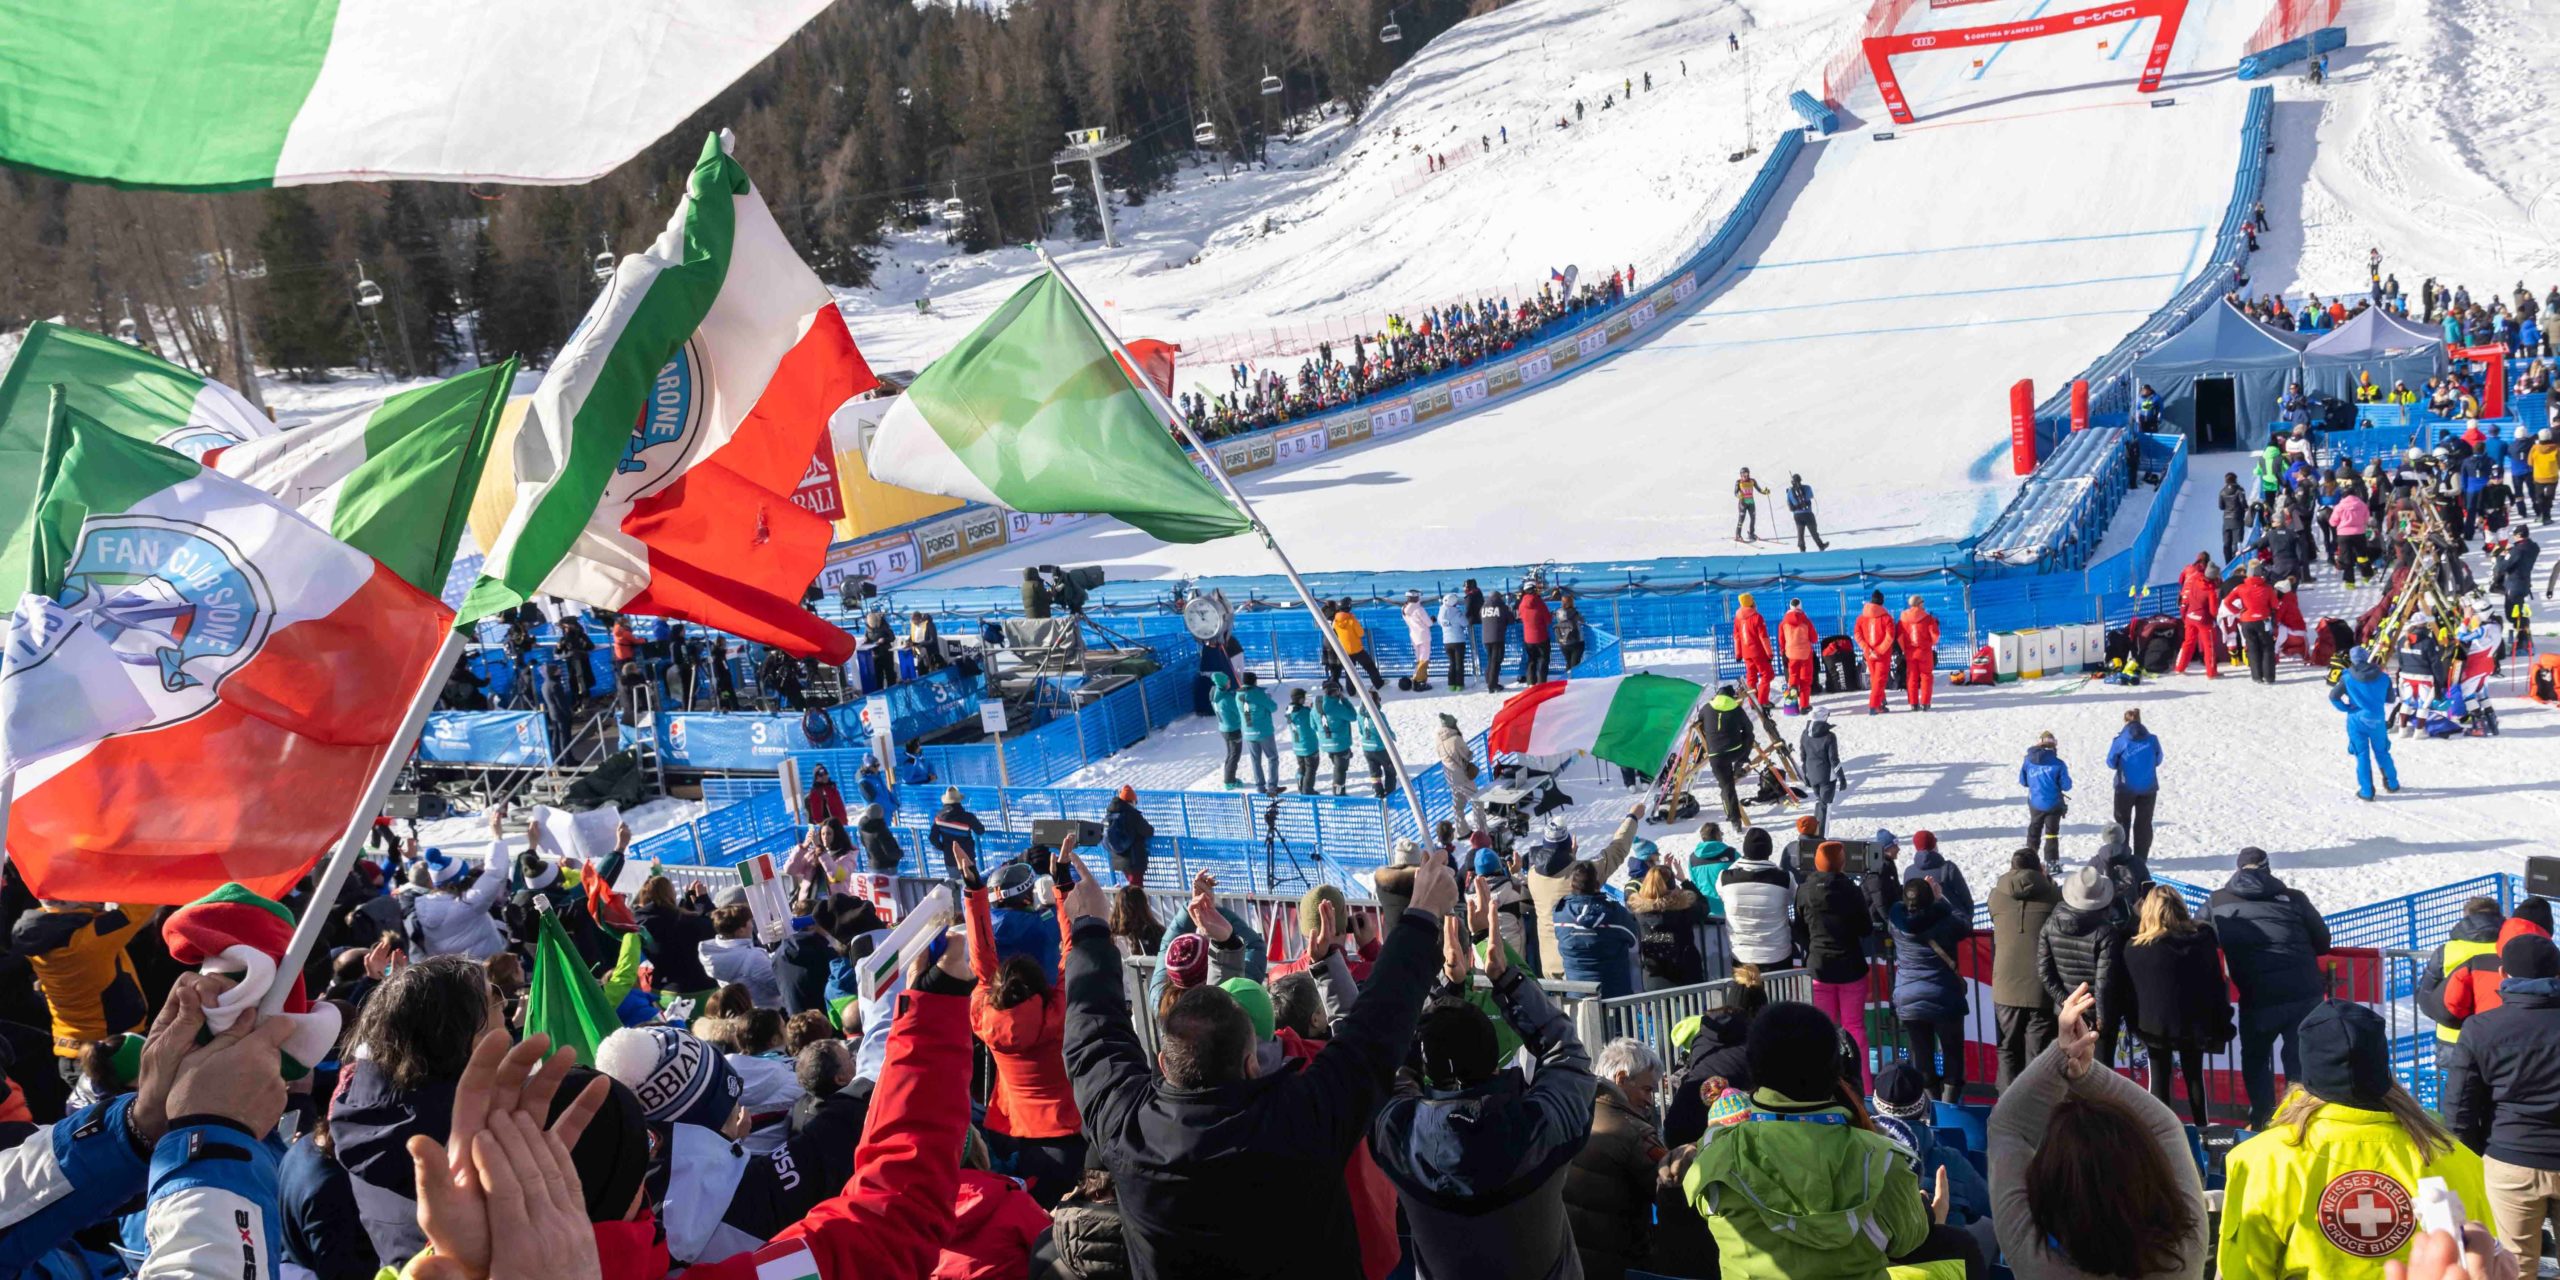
(603, 266)
(1204, 134)
(1270, 83)
(1061, 186)
(128, 333)
(952, 209)
(1390, 33)
(368, 294)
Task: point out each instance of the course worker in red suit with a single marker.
(1751, 646)
(1919, 654)
(2257, 605)
(2197, 601)
(1796, 639)
(1877, 639)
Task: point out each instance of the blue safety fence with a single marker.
(2127, 571)
(720, 792)
(2266, 62)
(1818, 115)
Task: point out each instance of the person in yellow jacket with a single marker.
(1354, 639)
(2330, 1190)
(77, 952)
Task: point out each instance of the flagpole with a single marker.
(333, 874)
(1147, 387)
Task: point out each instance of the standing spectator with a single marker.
(1018, 1013)
(577, 657)
(1454, 634)
(1879, 640)
(1755, 891)
(1800, 505)
(1223, 700)
(1751, 648)
(2510, 1098)
(2349, 520)
(1596, 935)
(2474, 944)
(1548, 863)
(731, 954)
(2082, 946)
(1126, 832)
(1334, 714)
(1944, 876)
(1479, 1158)
(1457, 768)
(1833, 915)
(2320, 1190)
(2235, 503)
(2088, 1177)
(2181, 1011)
(1928, 990)
(822, 802)
(1826, 1197)
(1609, 1190)
(2135, 756)
(1728, 750)
(1209, 1135)
(77, 950)
(955, 832)
(2048, 781)
(1567, 628)
(1354, 640)
(1670, 918)
(1374, 740)
(2272, 938)
(672, 938)
(1255, 707)
(1796, 642)
(1535, 636)
(1474, 599)
(1818, 752)
(1919, 636)
(1306, 743)
(2021, 902)
(1417, 633)
(1493, 622)
(2473, 988)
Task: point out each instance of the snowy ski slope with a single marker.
(2037, 211)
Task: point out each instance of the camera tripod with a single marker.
(1274, 844)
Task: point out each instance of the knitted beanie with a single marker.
(678, 1078)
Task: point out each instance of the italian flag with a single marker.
(113, 384)
(1626, 720)
(1033, 412)
(394, 480)
(229, 94)
(655, 466)
(197, 679)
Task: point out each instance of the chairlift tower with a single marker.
(1090, 146)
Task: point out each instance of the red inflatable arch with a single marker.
(1880, 49)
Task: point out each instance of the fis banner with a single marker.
(728, 740)
(486, 738)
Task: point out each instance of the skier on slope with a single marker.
(1796, 639)
(1800, 505)
(1751, 649)
(1878, 640)
(1747, 493)
(2364, 695)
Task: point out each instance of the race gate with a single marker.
(1880, 49)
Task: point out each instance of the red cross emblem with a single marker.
(2367, 1214)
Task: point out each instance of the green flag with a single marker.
(565, 1001)
(1031, 412)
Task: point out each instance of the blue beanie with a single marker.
(1488, 863)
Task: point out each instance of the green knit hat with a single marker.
(1310, 917)
(1255, 1000)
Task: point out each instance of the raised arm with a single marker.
(1107, 1065)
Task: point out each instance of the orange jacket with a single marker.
(1796, 636)
(2473, 988)
(1347, 629)
(2257, 599)
(1750, 636)
(1877, 635)
(1919, 631)
(1033, 1098)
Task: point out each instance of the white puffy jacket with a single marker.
(1757, 895)
(459, 924)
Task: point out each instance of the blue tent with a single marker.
(2377, 342)
(2227, 364)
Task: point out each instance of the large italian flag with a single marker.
(655, 466)
(118, 386)
(198, 681)
(1628, 720)
(223, 94)
(393, 480)
(1033, 412)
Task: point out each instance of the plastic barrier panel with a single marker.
(1820, 118)
(514, 738)
(735, 741)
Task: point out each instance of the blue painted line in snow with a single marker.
(1967, 248)
(2116, 50)
(1980, 471)
(2032, 14)
(1967, 293)
(1910, 328)
(2194, 247)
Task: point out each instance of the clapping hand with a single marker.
(1205, 916)
(2079, 1042)
(1457, 958)
(453, 1203)
(1435, 887)
(1328, 937)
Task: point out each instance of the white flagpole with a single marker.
(1350, 674)
(333, 873)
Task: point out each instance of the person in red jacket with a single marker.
(1536, 639)
(994, 1225)
(1919, 654)
(2473, 988)
(2293, 636)
(1877, 639)
(2196, 631)
(1751, 648)
(1796, 639)
(2255, 602)
(1022, 1019)
(823, 802)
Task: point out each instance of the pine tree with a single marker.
(302, 320)
(428, 299)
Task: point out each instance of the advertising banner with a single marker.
(1881, 48)
(717, 740)
(818, 494)
(513, 738)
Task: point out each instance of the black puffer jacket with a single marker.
(1718, 1051)
(674, 937)
(2271, 936)
(1836, 926)
(2085, 946)
(1085, 1241)
(2177, 983)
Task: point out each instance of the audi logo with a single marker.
(1923, 42)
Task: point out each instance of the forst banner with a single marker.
(515, 738)
(1881, 49)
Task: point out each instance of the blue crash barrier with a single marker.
(1821, 117)
(514, 738)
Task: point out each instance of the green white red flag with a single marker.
(656, 466)
(197, 681)
(1628, 720)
